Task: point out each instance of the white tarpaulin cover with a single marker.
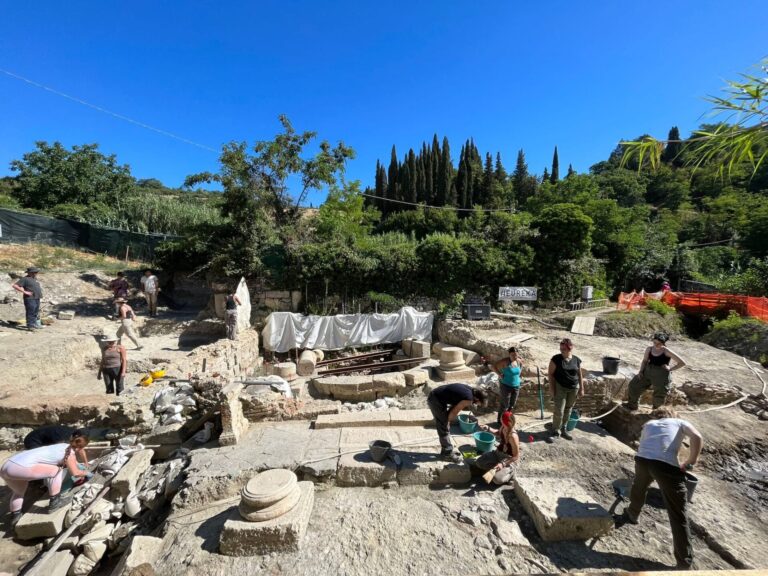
(285, 331)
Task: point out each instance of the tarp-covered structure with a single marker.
(23, 227)
(285, 330)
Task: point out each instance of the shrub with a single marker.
(660, 307)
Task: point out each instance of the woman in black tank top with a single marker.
(654, 372)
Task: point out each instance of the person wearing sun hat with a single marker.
(127, 316)
(32, 292)
(114, 362)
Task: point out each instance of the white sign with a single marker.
(528, 293)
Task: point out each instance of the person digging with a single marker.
(502, 461)
(445, 403)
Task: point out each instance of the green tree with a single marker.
(260, 209)
(555, 177)
(52, 175)
(673, 148)
(565, 233)
(524, 184)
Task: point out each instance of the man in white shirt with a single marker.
(657, 459)
(150, 286)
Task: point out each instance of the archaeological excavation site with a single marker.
(355, 444)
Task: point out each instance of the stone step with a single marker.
(39, 523)
(369, 418)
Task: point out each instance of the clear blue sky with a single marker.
(510, 74)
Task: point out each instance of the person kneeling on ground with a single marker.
(655, 372)
(657, 459)
(505, 458)
(446, 402)
(49, 463)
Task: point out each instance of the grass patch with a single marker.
(637, 324)
(18, 257)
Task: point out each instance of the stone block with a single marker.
(168, 434)
(466, 375)
(353, 419)
(415, 377)
(421, 417)
(233, 422)
(66, 315)
(307, 362)
(281, 534)
(406, 345)
(423, 466)
(356, 388)
(323, 447)
(419, 349)
(388, 384)
(39, 523)
(59, 563)
(143, 550)
(360, 470)
(126, 479)
(561, 509)
(509, 533)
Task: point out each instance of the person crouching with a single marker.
(506, 457)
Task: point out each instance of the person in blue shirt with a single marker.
(509, 370)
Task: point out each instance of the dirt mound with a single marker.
(636, 324)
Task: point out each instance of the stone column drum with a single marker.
(452, 367)
(272, 516)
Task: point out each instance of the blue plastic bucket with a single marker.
(572, 421)
(467, 423)
(484, 441)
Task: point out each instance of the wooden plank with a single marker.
(519, 337)
(583, 325)
(374, 366)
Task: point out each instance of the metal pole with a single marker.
(541, 393)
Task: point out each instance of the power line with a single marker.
(437, 207)
(109, 112)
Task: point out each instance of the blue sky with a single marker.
(510, 74)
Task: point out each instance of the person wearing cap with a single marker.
(445, 403)
(657, 459)
(48, 463)
(150, 285)
(126, 315)
(505, 458)
(33, 292)
(655, 372)
(114, 362)
(566, 383)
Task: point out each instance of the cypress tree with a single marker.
(500, 173)
(486, 190)
(671, 153)
(436, 159)
(571, 171)
(446, 193)
(392, 192)
(545, 176)
(404, 183)
(410, 193)
(521, 180)
(429, 189)
(462, 178)
(555, 168)
(381, 188)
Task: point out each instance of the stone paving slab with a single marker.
(373, 418)
(281, 534)
(322, 444)
(562, 509)
(39, 523)
(360, 470)
(126, 479)
(59, 563)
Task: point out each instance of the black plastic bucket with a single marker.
(690, 483)
(379, 449)
(611, 365)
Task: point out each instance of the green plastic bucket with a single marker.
(484, 441)
(572, 421)
(467, 423)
